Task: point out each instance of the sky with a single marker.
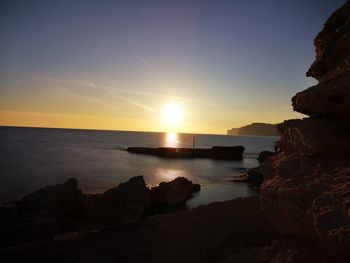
(121, 65)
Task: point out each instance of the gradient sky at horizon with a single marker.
(116, 64)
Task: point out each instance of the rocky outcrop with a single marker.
(264, 155)
(255, 129)
(253, 177)
(230, 231)
(306, 189)
(131, 198)
(40, 215)
(56, 210)
(173, 194)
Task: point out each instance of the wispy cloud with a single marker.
(143, 61)
(75, 88)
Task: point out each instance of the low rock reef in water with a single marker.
(216, 152)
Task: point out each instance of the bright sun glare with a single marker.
(173, 113)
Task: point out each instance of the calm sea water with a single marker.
(31, 158)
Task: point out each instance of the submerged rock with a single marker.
(216, 152)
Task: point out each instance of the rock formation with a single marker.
(306, 189)
(264, 155)
(230, 231)
(255, 129)
(56, 210)
(173, 194)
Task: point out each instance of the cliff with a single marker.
(256, 128)
(306, 192)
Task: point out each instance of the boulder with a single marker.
(55, 212)
(41, 215)
(264, 155)
(255, 176)
(172, 194)
(131, 198)
(52, 201)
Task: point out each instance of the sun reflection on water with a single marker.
(165, 174)
(171, 139)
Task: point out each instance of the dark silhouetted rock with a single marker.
(264, 155)
(59, 212)
(210, 233)
(53, 201)
(216, 152)
(131, 198)
(253, 177)
(41, 215)
(294, 250)
(306, 189)
(173, 194)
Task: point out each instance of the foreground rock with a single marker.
(216, 152)
(131, 198)
(56, 210)
(253, 177)
(264, 155)
(173, 194)
(220, 232)
(40, 215)
(306, 192)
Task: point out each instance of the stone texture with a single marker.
(264, 155)
(229, 231)
(332, 47)
(310, 137)
(58, 212)
(329, 99)
(131, 198)
(173, 193)
(306, 189)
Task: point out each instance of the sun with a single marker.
(173, 113)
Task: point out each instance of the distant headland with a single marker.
(256, 128)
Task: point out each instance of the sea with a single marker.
(31, 158)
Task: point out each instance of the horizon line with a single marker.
(92, 129)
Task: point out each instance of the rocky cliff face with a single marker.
(255, 129)
(306, 192)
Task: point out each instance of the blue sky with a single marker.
(228, 63)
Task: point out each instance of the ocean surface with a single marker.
(31, 158)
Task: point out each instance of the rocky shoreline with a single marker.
(61, 209)
(302, 213)
(220, 232)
